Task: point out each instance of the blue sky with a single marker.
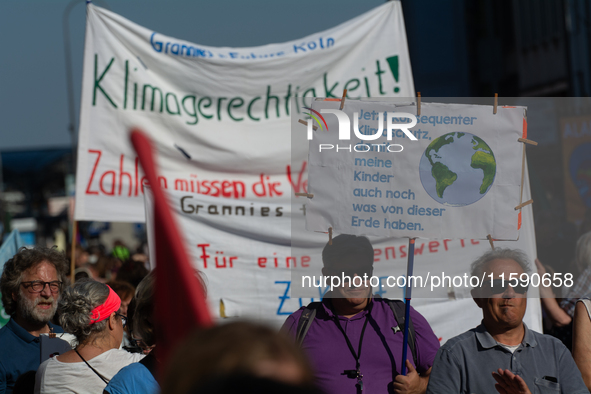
(33, 95)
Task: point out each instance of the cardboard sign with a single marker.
(456, 174)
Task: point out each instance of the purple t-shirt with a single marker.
(381, 352)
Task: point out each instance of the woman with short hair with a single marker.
(89, 311)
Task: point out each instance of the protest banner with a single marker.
(576, 153)
(220, 117)
(244, 251)
(444, 182)
(456, 174)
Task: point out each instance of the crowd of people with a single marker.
(350, 342)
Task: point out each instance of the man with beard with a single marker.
(355, 340)
(502, 354)
(31, 284)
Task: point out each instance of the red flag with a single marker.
(180, 304)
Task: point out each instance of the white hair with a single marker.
(478, 266)
(583, 251)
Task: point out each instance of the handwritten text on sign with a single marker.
(457, 175)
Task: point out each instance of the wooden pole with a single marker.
(73, 256)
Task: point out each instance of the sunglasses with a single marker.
(499, 286)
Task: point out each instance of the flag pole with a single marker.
(73, 253)
(407, 297)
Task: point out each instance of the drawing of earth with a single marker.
(457, 169)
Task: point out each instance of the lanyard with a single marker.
(93, 370)
(356, 373)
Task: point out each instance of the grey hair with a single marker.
(583, 251)
(77, 303)
(478, 266)
(23, 260)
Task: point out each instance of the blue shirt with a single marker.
(465, 363)
(20, 352)
(135, 378)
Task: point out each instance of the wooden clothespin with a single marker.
(309, 195)
(343, 99)
(490, 240)
(526, 141)
(495, 105)
(418, 103)
(524, 204)
(302, 121)
(330, 235)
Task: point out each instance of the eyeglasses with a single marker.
(37, 286)
(123, 318)
(499, 286)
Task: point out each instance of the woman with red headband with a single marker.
(89, 311)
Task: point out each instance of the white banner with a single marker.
(459, 178)
(244, 250)
(220, 117)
